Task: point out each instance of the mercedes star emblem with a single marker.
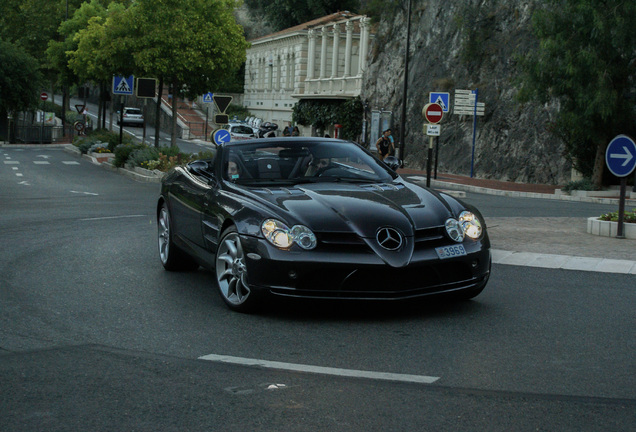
(389, 238)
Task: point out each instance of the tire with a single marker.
(172, 258)
(231, 273)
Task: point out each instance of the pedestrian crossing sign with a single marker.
(123, 85)
(441, 99)
(207, 98)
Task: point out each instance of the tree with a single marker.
(586, 65)
(282, 14)
(20, 79)
(188, 44)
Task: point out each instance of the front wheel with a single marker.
(231, 273)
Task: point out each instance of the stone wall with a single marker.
(464, 44)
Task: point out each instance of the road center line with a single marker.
(386, 376)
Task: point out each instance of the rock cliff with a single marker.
(465, 44)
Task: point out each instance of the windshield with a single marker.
(290, 161)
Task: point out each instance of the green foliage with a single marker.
(144, 154)
(324, 113)
(20, 79)
(583, 185)
(350, 114)
(282, 14)
(123, 152)
(629, 217)
(238, 111)
(584, 63)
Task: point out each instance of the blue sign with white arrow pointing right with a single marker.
(620, 156)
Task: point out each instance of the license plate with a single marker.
(450, 251)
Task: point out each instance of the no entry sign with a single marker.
(44, 96)
(433, 113)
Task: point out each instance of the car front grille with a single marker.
(350, 242)
(385, 283)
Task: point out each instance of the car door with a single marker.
(187, 202)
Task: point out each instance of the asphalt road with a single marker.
(95, 335)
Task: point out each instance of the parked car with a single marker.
(317, 218)
(240, 131)
(132, 117)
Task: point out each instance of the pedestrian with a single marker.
(295, 131)
(384, 145)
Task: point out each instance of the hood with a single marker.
(360, 208)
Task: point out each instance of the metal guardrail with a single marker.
(34, 134)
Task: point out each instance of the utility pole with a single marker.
(402, 149)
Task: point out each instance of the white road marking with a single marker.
(70, 162)
(42, 162)
(112, 217)
(43, 156)
(11, 162)
(386, 376)
(19, 174)
(26, 183)
(85, 193)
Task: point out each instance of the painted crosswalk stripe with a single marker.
(42, 162)
(386, 376)
(70, 162)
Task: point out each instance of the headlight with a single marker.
(454, 230)
(281, 236)
(470, 224)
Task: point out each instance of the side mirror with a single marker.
(393, 162)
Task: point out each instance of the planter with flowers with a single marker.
(607, 225)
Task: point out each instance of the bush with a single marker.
(123, 152)
(585, 184)
(140, 157)
(629, 217)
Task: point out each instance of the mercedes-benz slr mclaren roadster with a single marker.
(317, 218)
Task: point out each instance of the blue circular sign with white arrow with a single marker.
(620, 156)
(221, 136)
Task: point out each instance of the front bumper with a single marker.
(363, 275)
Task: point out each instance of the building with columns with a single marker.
(321, 59)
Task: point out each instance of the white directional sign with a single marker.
(465, 103)
(123, 85)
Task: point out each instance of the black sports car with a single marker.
(318, 218)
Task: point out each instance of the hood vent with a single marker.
(383, 187)
(279, 191)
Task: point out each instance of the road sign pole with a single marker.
(472, 158)
(621, 210)
(121, 121)
(436, 156)
(429, 162)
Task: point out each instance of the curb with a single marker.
(148, 176)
